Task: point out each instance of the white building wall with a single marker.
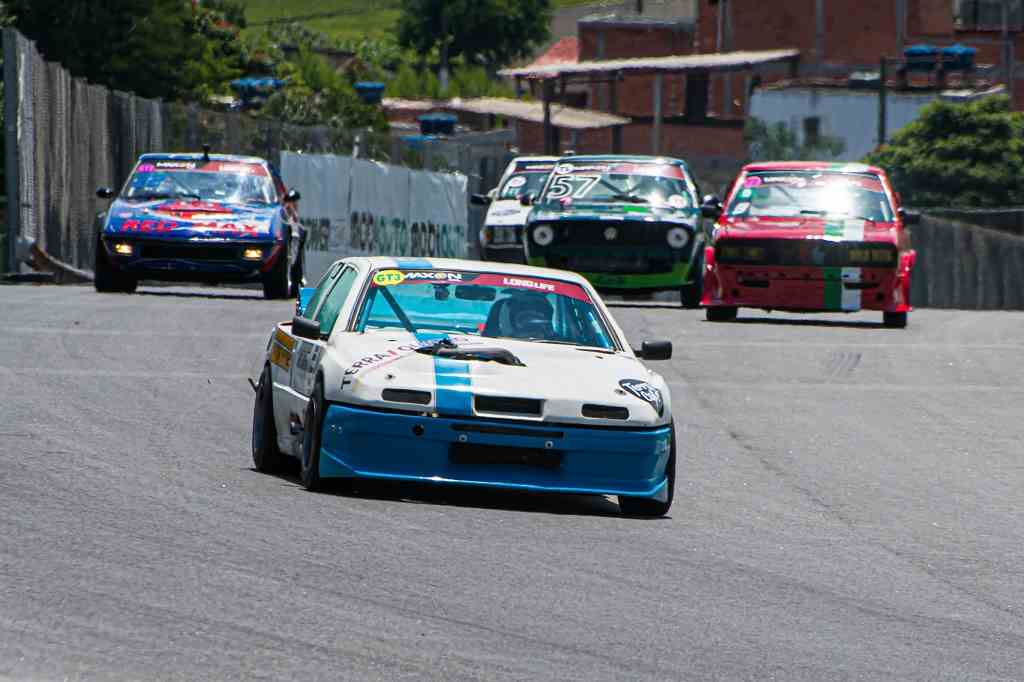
(850, 115)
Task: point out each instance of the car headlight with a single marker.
(677, 237)
(543, 235)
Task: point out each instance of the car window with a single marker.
(328, 313)
(326, 282)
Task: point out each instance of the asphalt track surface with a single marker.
(850, 506)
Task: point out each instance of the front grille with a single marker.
(627, 233)
(498, 455)
(605, 412)
(198, 251)
(499, 404)
(805, 252)
(612, 261)
(401, 395)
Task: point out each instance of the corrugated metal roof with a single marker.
(717, 61)
(561, 116)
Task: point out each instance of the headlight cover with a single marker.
(677, 237)
(543, 235)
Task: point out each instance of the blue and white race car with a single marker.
(201, 218)
(456, 371)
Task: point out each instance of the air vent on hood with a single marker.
(605, 412)
(529, 407)
(401, 395)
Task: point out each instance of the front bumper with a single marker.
(556, 458)
(173, 260)
(804, 288)
(504, 253)
(677, 275)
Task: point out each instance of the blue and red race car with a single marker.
(201, 218)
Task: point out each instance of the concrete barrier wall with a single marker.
(1009, 219)
(965, 266)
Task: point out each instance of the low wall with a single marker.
(1009, 220)
(355, 207)
(965, 266)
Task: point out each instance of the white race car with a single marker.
(501, 238)
(455, 371)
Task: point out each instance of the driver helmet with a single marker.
(528, 316)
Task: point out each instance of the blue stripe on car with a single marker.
(453, 387)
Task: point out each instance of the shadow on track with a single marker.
(650, 305)
(466, 496)
(199, 294)
(796, 322)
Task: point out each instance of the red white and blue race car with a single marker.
(466, 372)
(201, 218)
(809, 237)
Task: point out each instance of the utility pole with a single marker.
(1008, 56)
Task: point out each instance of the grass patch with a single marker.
(355, 18)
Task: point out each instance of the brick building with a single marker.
(839, 37)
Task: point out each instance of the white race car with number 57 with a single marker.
(464, 372)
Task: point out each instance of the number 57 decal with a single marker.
(575, 186)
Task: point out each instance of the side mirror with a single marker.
(305, 296)
(909, 217)
(479, 199)
(306, 328)
(655, 350)
(105, 193)
(292, 196)
(711, 207)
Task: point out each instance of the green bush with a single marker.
(958, 154)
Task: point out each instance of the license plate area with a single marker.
(476, 454)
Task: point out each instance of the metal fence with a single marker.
(66, 137)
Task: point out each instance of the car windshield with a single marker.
(483, 304)
(809, 193)
(523, 182)
(232, 183)
(640, 183)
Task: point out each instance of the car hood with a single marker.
(190, 219)
(617, 212)
(806, 227)
(506, 212)
(563, 377)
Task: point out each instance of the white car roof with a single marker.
(414, 263)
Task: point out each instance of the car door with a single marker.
(283, 354)
(309, 352)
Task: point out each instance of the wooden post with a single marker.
(546, 88)
(656, 128)
(881, 102)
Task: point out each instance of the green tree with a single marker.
(489, 33)
(958, 154)
(154, 48)
(776, 142)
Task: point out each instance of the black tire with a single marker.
(723, 313)
(645, 506)
(277, 283)
(108, 280)
(895, 320)
(266, 456)
(690, 294)
(309, 472)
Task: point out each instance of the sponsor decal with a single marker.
(563, 168)
(388, 356)
(752, 181)
(645, 392)
(514, 182)
(281, 357)
(433, 276)
(745, 193)
(535, 284)
(145, 168)
(677, 201)
(387, 278)
(741, 207)
(285, 340)
(176, 165)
